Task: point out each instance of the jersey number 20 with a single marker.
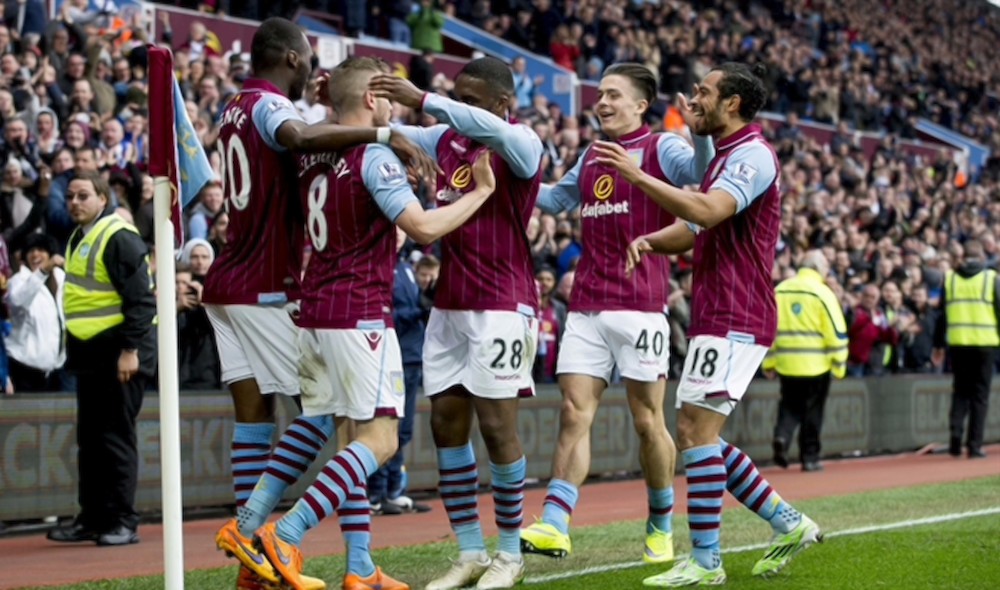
(234, 155)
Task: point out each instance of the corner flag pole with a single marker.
(170, 428)
(164, 169)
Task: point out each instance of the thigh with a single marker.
(365, 365)
(582, 350)
(232, 359)
(497, 417)
(645, 399)
(270, 342)
(717, 373)
(445, 352)
(582, 392)
(502, 348)
(451, 418)
(639, 343)
(316, 378)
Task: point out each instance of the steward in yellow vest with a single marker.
(810, 346)
(110, 346)
(970, 329)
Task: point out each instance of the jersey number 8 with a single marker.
(316, 222)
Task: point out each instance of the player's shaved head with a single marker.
(494, 72)
(349, 81)
(486, 83)
(272, 42)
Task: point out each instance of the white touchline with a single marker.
(902, 524)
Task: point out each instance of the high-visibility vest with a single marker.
(812, 332)
(972, 320)
(91, 301)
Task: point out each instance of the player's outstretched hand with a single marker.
(418, 163)
(396, 89)
(482, 171)
(613, 155)
(633, 256)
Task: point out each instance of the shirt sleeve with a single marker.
(385, 178)
(749, 171)
(681, 163)
(269, 114)
(565, 194)
(426, 138)
(518, 145)
(126, 258)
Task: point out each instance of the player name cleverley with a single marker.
(307, 161)
(602, 209)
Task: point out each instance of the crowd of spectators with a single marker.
(73, 97)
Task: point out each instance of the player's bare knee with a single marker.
(447, 432)
(649, 426)
(685, 431)
(576, 415)
(381, 438)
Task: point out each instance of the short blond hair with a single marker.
(349, 81)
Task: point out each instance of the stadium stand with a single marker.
(73, 95)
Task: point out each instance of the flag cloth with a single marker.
(174, 150)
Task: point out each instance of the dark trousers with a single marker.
(31, 380)
(972, 367)
(108, 459)
(802, 402)
(389, 482)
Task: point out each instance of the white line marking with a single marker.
(601, 569)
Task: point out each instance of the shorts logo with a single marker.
(604, 186)
(374, 339)
(462, 177)
(398, 384)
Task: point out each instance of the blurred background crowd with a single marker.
(73, 96)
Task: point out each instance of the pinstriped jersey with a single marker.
(262, 257)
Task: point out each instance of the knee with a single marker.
(439, 425)
(497, 432)
(648, 424)
(574, 415)
(447, 431)
(685, 431)
(383, 444)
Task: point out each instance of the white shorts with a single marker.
(356, 374)
(637, 341)
(257, 342)
(490, 353)
(717, 371)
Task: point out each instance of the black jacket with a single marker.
(126, 261)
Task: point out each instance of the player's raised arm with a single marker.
(673, 239)
(387, 183)
(485, 88)
(681, 163)
(746, 176)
